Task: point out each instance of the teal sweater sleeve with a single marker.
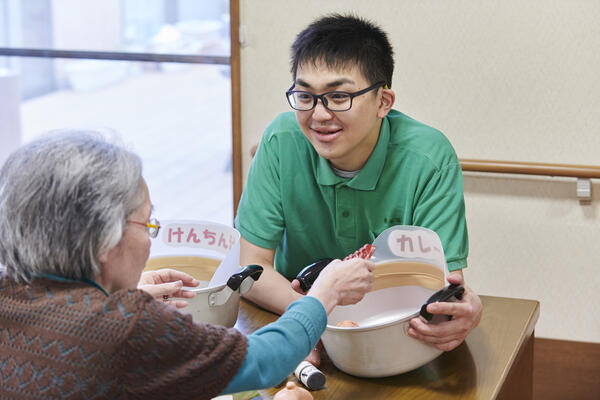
(275, 350)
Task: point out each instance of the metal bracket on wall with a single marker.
(243, 35)
(584, 189)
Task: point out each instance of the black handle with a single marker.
(309, 274)
(236, 279)
(445, 294)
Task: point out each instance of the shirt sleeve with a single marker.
(260, 212)
(441, 208)
(167, 353)
(275, 350)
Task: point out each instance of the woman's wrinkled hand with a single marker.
(339, 283)
(343, 282)
(163, 284)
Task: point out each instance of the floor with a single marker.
(177, 118)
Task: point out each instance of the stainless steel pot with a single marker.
(217, 305)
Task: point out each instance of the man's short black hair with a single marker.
(341, 41)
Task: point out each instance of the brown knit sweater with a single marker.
(69, 340)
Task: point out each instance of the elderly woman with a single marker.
(74, 215)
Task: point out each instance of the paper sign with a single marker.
(209, 236)
(203, 239)
(410, 243)
(416, 243)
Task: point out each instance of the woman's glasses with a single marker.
(153, 226)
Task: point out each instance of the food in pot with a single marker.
(347, 324)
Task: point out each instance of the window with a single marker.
(156, 72)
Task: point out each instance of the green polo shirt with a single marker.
(293, 201)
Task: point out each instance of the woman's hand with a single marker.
(162, 284)
(340, 283)
(343, 282)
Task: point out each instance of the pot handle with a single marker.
(310, 273)
(253, 271)
(449, 293)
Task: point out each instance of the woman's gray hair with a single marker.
(64, 199)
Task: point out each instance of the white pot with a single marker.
(410, 273)
(216, 305)
(380, 345)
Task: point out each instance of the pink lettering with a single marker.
(177, 233)
(223, 242)
(424, 250)
(211, 236)
(192, 237)
(403, 240)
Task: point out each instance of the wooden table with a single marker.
(496, 361)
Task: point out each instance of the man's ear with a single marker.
(387, 101)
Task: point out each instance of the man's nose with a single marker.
(320, 112)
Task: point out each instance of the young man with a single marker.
(346, 167)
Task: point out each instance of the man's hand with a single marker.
(296, 286)
(465, 313)
(314, 357)
(165, 283)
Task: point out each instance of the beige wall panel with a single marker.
(530, 237)
(507, 80)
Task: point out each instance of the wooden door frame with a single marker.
(236, 109)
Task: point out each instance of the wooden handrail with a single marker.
(519, 167)
(530, 168)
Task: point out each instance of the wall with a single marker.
(504, 80)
